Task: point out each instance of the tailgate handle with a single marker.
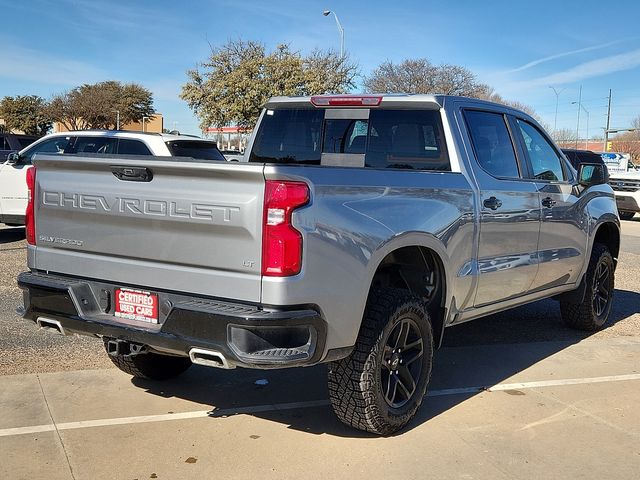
(132, 174)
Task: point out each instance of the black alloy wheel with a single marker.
(401, 368)
(601, 295)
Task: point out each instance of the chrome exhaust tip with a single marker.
(51, 324)
(208, 358)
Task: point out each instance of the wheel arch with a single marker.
(608, 234)
(403, 261)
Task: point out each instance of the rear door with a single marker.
(564, 222)
(510, 210)
(150, 222)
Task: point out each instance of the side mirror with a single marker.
(13, 158)
(592, 174)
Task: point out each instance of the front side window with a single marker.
(52, 145)
(492, 143)
(545, 161)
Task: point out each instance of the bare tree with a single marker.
(419, 75)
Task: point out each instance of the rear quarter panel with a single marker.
(355, 218)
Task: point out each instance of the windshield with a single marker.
(196, 149)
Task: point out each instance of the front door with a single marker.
(564, 222)
(13, 195)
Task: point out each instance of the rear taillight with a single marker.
(281, 243)
(29, 217)
(346, 100)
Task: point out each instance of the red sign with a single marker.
(136, 305)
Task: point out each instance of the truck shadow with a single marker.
(476, 354)
(11, 234)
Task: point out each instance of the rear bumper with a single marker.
(628, 201)
(12, 219)
(253, 336)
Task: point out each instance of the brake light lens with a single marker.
(281, 243)
(346, 100)
(29, 217)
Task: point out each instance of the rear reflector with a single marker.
(29, 216)
(281, 243)
(346, 100)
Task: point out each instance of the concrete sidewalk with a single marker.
(557, 410)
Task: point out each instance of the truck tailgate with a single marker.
(194, 227)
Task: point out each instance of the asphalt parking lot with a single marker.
(515, 395)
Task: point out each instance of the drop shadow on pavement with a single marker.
(475, 354)
(11, 235)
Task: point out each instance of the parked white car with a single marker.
(13, 186)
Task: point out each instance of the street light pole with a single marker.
(606, 130)
(555, 119)
(340, 29)
(578, 124)
(117, 119)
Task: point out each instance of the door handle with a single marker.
(493, 203)
(132, 174)
(548, 202)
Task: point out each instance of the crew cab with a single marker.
(13, 187)
(356, 230)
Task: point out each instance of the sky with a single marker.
(519, 48)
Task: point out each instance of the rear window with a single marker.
(289, 136)
(406, 139)
(195, 149)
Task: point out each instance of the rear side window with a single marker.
(99, 145)
(127, 146)
(492, 143)
(195, 149)
(4, 144)
(289, 136)
(409, 139)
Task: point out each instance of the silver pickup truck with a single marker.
(356, 230)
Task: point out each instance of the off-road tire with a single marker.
(583, 316)
(151, 366)
(356, 382)
(626, 215)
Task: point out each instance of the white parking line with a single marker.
(7, 432)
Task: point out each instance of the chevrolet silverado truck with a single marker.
(354, 232)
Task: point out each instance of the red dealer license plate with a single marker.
(136, 305)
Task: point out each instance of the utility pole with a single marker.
(578, 124)
(606, 130)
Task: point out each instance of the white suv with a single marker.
(13, 186)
